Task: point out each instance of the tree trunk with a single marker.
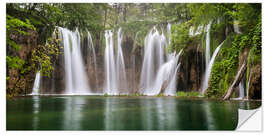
(125, 13)
(236, 81)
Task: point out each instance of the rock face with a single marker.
(22, 82)
(55, 83)
(255, 89)
(191, 69)
(133, 58)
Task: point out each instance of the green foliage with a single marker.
(138, 30)
(83, 16)
(223, 71)
(45, 16)
(203, 13)
(160, 95)
(188, 94)
(247, 14)
(106, 95)
(14, 62)
(254, 56)
(16, 26)
(22, 23)
(171, 12)
(179, 36)
(44, 55)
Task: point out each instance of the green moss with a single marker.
(188, 94)
(223, 69)
(226, 64)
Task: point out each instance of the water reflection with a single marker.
(208, 116)
(159, 114)
(35, 112)
(122, 113)
(110, 114)
(73, 113)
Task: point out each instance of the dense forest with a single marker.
(31, 46)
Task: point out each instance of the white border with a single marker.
(265, 72)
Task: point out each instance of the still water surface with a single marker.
(122, 113)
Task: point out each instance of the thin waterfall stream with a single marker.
(36, 85)
(209, 68)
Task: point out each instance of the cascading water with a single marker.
(35, 89)
(208, 62)
(115, 69)
(171, 88)
(110, 84)
(166, 74)
(75, 75)
(120, 65)
(158, 74)
(151, 62)
(207, 45)
(169, 27)
(92, 49)
(209, 68)
(158, 70)
(236, 27)
(194, 32)
(241, 91)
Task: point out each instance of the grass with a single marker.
(188, 94)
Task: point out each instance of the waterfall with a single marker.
(166, 76)
(209, 68)
(75, 75)
(110, 71)
(120, 66)
(158, 72)
(152, 60)
(158, 69)
(236, 27)
(171, 88)
(92, 49)
(35, 89)
(207, 45)
(116, 79)
(197, 31)
(241, 91)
